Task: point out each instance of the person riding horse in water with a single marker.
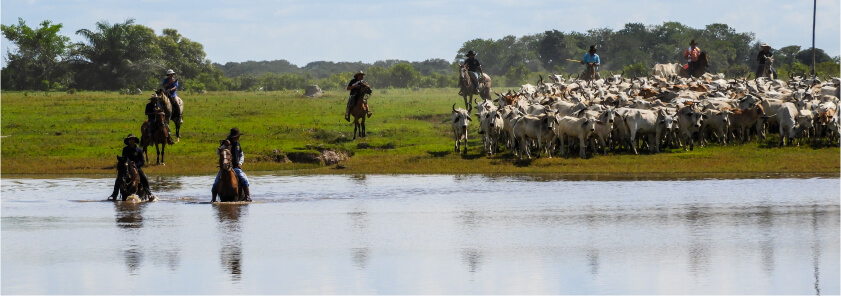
(765, 55)
(353, 86)
(153, 108)
(135, 154)
(474, 67)
(691, 54)
(232, 142)
(591, 59)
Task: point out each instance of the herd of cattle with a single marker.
(651, 112)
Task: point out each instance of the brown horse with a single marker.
(229, 189)
(467, 90)
(158, 136)
(359, 111)
(590, 73)
(128, 180)
(173, 110)
(701, 69)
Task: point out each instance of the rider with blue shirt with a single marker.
(591, 59)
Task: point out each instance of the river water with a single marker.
(415, 234)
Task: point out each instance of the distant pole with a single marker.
(814, 14)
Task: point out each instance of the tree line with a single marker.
(128, 56)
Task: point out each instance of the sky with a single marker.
(368, 31)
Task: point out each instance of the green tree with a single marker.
(517, 76)
(404, 75)
(118, 56)
(40, 59)
(181, 54)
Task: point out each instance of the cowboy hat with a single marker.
(693, 42)
(592, 48)
(234, 133)
(765, 45)
(153, 97)
(170, 72)
(131, 136)
(359, 73)
(471, 53)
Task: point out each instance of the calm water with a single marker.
(425, 235)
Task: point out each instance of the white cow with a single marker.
(537, 128)
(460, 120)
(578, 127)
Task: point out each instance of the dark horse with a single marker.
(467, 90)
(128, 180)
(701, 69)
(158, 136)
(590, 73)
(359, 110)
(173, 110)
(229, 189)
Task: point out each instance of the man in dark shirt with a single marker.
(153, 108)
(762, 58)
(475, 69)
(353, 87)
(135, 154)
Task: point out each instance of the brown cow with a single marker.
(743, 119)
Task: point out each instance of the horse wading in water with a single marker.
(158, 136)
(128, 180)
(229, 189)
(359, 110)
(468, 90)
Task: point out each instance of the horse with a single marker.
(467, 90)
(173, 110)
(359, 110)
(766, 69)
(128, 180)
(590, 73)
(158, 136)
(229, 189)
(703, 63)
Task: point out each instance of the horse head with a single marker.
(225, 157)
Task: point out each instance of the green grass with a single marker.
(58, 133)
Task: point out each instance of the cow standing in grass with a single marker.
(459, 122)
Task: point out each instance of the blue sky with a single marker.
(367, 31)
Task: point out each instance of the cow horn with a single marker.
(623, 73)
(454, 107)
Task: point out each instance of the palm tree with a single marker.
(117, 56)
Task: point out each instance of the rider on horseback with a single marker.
(474, 67)
(691, 54)
(153, 109)
(170, 84)
(591, 59)
(135, 154)
(353, 87)
(765, 55)
(232, 142)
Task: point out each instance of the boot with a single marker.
(213, 192)
(347, 114)
(247, 193)
(369, 110)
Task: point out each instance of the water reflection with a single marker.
(165, 184)
(816, 249)
(360, 249)
(230, 231)
(129, 218)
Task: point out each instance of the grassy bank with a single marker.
(58, 133)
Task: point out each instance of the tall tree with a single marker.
(118, 56)
(181, 54)
(39, 61)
